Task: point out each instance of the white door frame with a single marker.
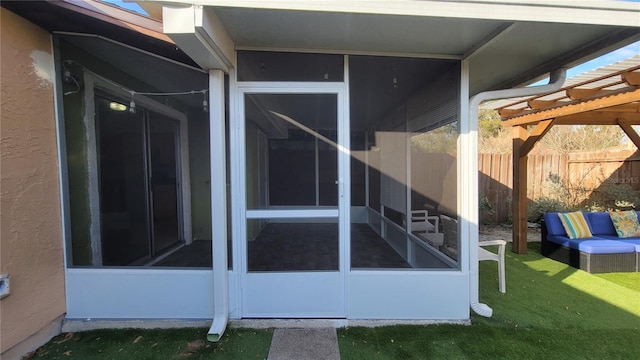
(337, 293)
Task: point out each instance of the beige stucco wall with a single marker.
(31, 227)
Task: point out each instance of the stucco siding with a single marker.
(31, 228)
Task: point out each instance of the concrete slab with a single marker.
(304, 344)
(330, 323)
(74, 325)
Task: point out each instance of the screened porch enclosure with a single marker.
(129, 170)
(401, 150)
(137, 176)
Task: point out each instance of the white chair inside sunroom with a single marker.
(450, 248)
(427, 227)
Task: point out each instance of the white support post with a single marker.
(218, 204)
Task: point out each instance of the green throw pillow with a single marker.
(626, 223)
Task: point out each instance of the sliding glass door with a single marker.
(138, 187)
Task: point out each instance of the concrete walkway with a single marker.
(304, 344)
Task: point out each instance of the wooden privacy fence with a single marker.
(585, 170)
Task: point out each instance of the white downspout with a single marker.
(217, 148)
(555, 83)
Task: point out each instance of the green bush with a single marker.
(617, 196)
(486, 210)
(565, 196)
(537, 208)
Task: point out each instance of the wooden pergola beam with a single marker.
(598, 118)
(536, 134)
(509, 112)
(626, 108)
(631, 77)
(541, 104)
(577, 108)
(631, 132)
(579, 94)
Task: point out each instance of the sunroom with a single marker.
(327, 177)
(308, 160)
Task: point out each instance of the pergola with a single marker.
(609, 96)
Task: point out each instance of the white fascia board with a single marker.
(592, 12)
(200, 34)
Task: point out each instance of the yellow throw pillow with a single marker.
(626, 223)
(575, 225)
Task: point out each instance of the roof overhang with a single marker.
(102, 19)
(507, 42)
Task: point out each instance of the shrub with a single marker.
(537, 208)
(486, 210)
(566, 196)
(618, 196)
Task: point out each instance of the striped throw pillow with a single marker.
(575, 225)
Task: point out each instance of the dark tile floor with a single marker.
(197, 254)
(298, 246)
(369, 250)
(294, 246)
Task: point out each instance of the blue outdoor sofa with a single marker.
(604, 252)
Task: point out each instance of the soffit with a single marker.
(349, 33)
(503, 52)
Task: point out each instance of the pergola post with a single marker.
(519, 194)
(523, 143)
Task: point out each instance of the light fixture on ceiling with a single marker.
(205, 104)
(263, 67)
(68, 78)
(116, 106)
(395, 79)
(66, 73)
(132, 104)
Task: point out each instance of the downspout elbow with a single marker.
(218, 327)
(481, 309)
(556, 81)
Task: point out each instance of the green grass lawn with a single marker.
(135, 344)
(550, 311)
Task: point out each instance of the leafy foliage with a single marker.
(489, 123)
(571, 138)
(486, 210)
(537, 208)
(493, 138)
(440, 140)
(565, 195)
(617, 196)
